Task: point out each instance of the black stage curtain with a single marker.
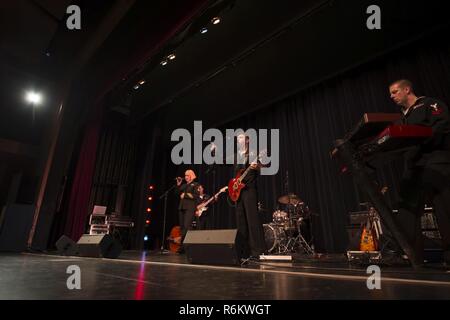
(309, 122)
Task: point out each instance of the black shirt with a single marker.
(433, 113)
(203, 198)
(188, 202)
(250, 180)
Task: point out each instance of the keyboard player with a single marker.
(427, 167)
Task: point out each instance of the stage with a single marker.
(168, 276)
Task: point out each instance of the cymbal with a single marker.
(289, 199)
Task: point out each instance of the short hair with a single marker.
(190, 173)
(403, 83)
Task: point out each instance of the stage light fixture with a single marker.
(171, 56)
(141, 82)
(147, 221)
(33, 97)
(164, 62)
(203, 30)
(151, 187)
(215, 20)
(136, 87)
(149, 210)
(145, 238)
(150, 198)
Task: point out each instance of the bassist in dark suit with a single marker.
(248, 221)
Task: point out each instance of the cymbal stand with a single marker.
(301, 242)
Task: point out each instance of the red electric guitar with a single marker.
(235, 185)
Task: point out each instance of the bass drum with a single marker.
(274, 236)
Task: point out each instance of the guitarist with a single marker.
(248, 221)
(202, 221)
(188, 193)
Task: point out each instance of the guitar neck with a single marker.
(246, 171)
(244, 174)
(208, 201)
(211, 199)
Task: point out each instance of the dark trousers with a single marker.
(249, 223)
(185, 217)
(202, 222)
(430, 184)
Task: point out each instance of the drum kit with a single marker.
(284, 234)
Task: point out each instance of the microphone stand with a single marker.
(164, 195)
(213, 222)
(212, 168)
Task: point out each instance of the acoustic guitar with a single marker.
(174, 239)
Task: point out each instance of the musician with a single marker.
(427, 166)
(203, 220)
(188, 193)
(248, 221)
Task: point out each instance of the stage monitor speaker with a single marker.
(222, 247)
(66, 246)
(99, 246)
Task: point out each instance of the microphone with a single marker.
(212, 148)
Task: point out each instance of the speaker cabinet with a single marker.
(66, 246)
(354, 237)
(15, 225)
(222, 247)
(99, 246)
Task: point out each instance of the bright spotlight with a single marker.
(33, 97)
(171, 56)
(204, 30)
(215, 20)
